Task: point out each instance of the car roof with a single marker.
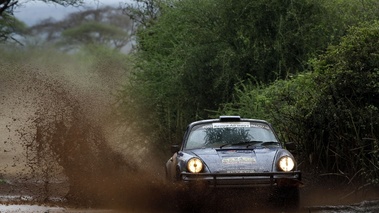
(227, 118)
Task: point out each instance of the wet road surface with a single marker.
(362, 207)
(13, 204)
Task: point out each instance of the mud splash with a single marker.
(64, 138)
(62, 142)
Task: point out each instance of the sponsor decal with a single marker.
(240, 171)
(238, 160)
(231, 125)
(263, 126)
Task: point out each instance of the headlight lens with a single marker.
(286, 163)
(195, 165)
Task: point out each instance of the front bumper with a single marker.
(285, 179)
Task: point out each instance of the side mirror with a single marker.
(175, 148)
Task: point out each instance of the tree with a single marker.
(9, 5)
(104, 26)
(9, 25)
(193, 54)
(144, 12)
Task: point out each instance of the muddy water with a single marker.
(62, 146)
(362, 207)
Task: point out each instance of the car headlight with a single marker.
(195, 165)
(286, 163)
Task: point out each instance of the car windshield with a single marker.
(223, 134)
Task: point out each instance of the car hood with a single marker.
(237, 160)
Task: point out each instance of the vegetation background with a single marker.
(310, 67)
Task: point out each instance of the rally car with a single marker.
(234, 152)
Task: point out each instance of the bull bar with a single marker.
(242, 179)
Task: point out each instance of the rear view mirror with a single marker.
(175, 148)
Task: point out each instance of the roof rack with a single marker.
(230, 118)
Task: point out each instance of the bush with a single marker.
(332, 111)
(346, 116)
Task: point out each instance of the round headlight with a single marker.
(286, 163)
(195, 165)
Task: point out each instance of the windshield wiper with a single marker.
(248, 143)
(266, 143)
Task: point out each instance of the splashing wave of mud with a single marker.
(60, 134)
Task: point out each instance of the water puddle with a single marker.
(30, 208)
(362, 207)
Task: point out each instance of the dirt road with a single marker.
(362, 207)
(160, 199)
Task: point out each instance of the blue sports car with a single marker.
(234, 152)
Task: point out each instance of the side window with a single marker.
(185, 135)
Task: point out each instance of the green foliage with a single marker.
(190, 58)
(195, 57)
(9, 27)
(332, 113)
(350, 101)
(145, 12)
(283, 103)
(273, 39)
(354, 12)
